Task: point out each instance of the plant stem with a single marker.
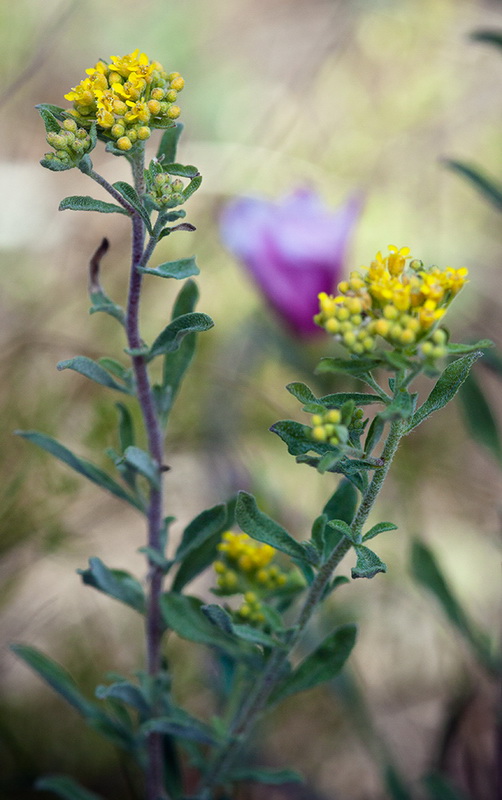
(154, 625)
(255, 701)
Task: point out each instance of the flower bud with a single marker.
(173, 112)
(124, 143)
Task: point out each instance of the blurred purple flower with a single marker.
(293, 248)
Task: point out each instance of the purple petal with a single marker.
(293, 249)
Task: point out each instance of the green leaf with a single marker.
(459, 349)
(339, 398)
(56, 165)
(186, 300)
(358, 367)
(184, 171)
(375, 431)
(50, 116)
(318, 528)
(169, 144)
(478, 416)
(379, 528)
(395, 785)
(90, 471)
(192, 187)
(342, 503)
(85, 203)
(126, 427)
(172, 336)
(296, 436)
(194, 731)
(321, 665)
(368, 564)
(445, 389)
(209, 522)
(302, 392)
(270, 777)
(144, 464)
(439, 788)
(402, 406)
(488, 187)
(184, 268)
(115, 583)
(57, 677)
(344, 529)
(488, 36)
(183, 615)
(95, 372)
(65, 787)
(264, 529)
(130, 194)
(218, 616)
(101, 302)
(127, 693)
(426, 570)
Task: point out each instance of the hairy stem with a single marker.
(256, 700)
(154, 625)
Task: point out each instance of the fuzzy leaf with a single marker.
(182, 170)
(379, 528)
(143, 463)
(86, 468)
(206, 524)
(85, 203)
(127, 693)
(321, 665)
(295, 435)
(445, 389)
(368, 564)
(184, 616)
(402, 406)
(50, 116)
(169, 144)
(456, 349)
(57, 677)
(172, 336)
(343, 528)
(192, 730)
(375, 431)
(184, 268)
(65, 787)
(130, 194)
(95, 372)
(264, 529)
(479, 417)
(115, 583)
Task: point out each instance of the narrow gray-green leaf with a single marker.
(143, 463)
(269, 777)
(380, 527)
(321, 665)
(115, 583)
(57, 677)
(132, 197)
(445, 389)
(183, 268)
(183, 615)
(264, 529)
(487, 186)
(172, 336)
(65, 787)
(169, 144)
(80, 465)
(95, 372)
(205, 525)
(85, 203)
(342, 527)
(194, 731)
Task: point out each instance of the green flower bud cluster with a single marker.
(166, 191)
(70, 144)
(337, 426)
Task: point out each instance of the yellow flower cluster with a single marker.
(127, 98)
(245, 567)
(400, 302)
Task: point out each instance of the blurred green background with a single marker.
(344, 96)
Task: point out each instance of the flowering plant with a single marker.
(269, 584)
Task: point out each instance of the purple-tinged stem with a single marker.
(154, 625)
